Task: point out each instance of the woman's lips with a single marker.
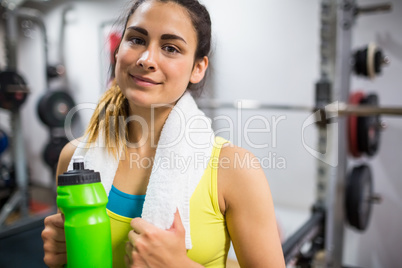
(144, 81)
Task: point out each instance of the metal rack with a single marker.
(325, 228)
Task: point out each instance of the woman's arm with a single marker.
(249, 209)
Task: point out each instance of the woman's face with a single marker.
(155, 61)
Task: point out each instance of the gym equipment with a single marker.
(336, 108)
(359, 197)
(369, 128)
(353, 136)
(337, 19)
(3, 141)
(364, 131)
(82, 199)
(13, 82)
(13, 90)
(52, 151)
(54, 71)
(312, 230)
(53, 108)
(369, 61)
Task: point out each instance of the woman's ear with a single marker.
(199, 69)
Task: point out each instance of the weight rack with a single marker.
(325, 228)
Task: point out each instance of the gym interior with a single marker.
(316, 83)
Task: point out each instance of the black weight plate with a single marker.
(378, 61)
(13, 90)
(368, 128)
(53, 108)
(359, 189)
(360, 65)
(52, 151)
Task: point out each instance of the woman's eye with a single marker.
(137, 41)
(171, 49)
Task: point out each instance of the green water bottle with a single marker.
(82, 199)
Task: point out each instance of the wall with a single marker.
(263, 50)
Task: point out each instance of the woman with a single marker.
(162, 55)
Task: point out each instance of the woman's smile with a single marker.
(144, 81)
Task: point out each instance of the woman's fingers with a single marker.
(55, 247)
(138, 261)
(133, 237)
(129, 254)
(55, 261)
(132, 258)
(140, 225)
(54, 233)
(56, 220)
(54, 244)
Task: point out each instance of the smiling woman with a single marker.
(167, 216)
(156, 56)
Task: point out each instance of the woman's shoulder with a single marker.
(66, 154)
(235, 158)
(239, 172)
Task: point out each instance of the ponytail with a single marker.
(108, 120)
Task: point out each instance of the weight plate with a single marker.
(368, 128)
(360, 58)
(13, 90)
(53, 108)
(3, 141)
(359, 190)
(353, 137)
(52, 151)
(378, 61)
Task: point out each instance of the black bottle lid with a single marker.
(79, 175)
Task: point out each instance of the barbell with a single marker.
(339, 108)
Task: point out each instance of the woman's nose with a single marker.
(147, 60)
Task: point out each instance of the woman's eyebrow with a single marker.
(138, 29)
(172, 36)
(163, 37)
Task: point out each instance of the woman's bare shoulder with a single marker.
(65, 155)
(239, 171)
(235, 160)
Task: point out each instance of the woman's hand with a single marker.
(54, 241)
(152, 247)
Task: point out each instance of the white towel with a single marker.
(186, 138)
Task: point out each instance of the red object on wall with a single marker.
(114, 42)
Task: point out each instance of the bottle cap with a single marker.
(79, 175)
(78, 159)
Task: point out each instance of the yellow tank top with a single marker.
(209, 234)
